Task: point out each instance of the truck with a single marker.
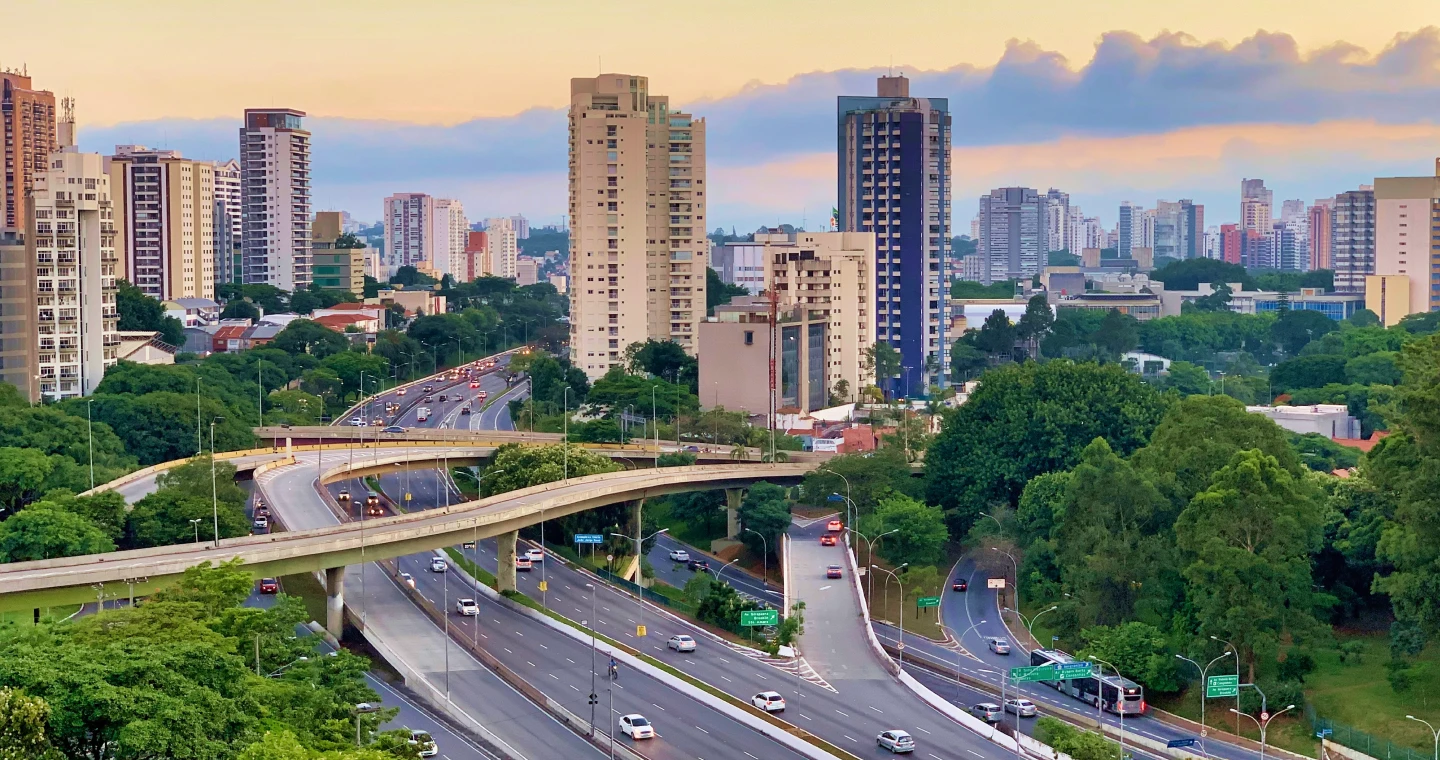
(422, 414)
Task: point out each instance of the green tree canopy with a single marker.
(1308, 372)
(921, 536)
(303, 336)
(1295, 328)
(45, 532)
(163, 518)
(766, 510)
(1187, 274)
(141, 312)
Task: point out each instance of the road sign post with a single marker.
(759, 618)
(927, 601)
(1032, 674)
(1222, 686)
(589, 538)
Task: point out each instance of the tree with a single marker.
(160, 427)
(107, 510)
(666, 359)
(1069, 740)
(882, 362)
(163, 519)
(871, 475)
(765, 510)
(514, 466)
(349, 366)
(23, 473)
(1138, 650)
(1035, 323)
(997, 336)
(966, 359)
(922, 533)
(1379, 368)
(1218, 300)
(840, 394)
(1308, 372)
(719, 292)
(303, 336)
(1189, 273)
(1249, 537)
(1188, 379)
(409, 277)
(241, 309)
(23, 727)
(141, 312)
(1041, 507)
(43, 532)
(1118, 333)
(1295, 328)
(293, 408)
(194, 478)
(1028, 419)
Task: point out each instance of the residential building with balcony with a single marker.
(638, 249)
(409, 220)
(501, 247)
(334, 268)
(18, 360)
(1352, 239)
(164, 221)
(1407, 235)
(275, 192)
(450, 234)
(28, 122)
(229, 222)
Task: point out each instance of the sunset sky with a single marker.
(1109, 100)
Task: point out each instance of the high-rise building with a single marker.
(1406, 210)
(409, 220)
(335, 268)
(637, 208)
(1230, 243)
(502, 246)
(1290, 210)
(164, 221)
(229, 222)
(522, 226)
(477, 255)
(893, 158)
(1289, 246)
(72, 240)
(1352, 236)
(18, 360)
(1124, 230)
(1320, 215)
(1057, 220)
(1256, 206)
(527, 272)
(450, 233)
(741, 263)
(28, 118)
(1012, 233)
(275, 172)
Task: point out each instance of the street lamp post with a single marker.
(959, 639)
(1433, 732)
(1237, 680)
(90, 428)
(722, 568)
(1203, 679)
(1014, 565)
(214, 487)
(565, 439)
(592, 623)
(195, 523)
(902, 604)
(639, 543)
(1264, 725)
(362, 709)
(1030, 622)
(849, 504)
(1119, 701)
(764, 554)
(870, 557)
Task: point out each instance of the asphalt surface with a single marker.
(677, 574)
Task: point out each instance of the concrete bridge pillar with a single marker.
(637, 524)
(505, 571)
(732, 512)
(335, 601)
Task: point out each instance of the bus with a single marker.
(1112, 693)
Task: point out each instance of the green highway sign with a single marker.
(1036, 673)
(1069, 670)
(927, 601)
(754, 618)
(1222, 686)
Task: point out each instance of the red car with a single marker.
(474, 384)
(827, 540)
(833, 526)
(832, 571)
(959, 585)
(269, 586)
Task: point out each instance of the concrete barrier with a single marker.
(875, 645)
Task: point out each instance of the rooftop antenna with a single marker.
(891, 70)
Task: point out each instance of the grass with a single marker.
(477, 572)
(1359, 695)
(699, 535)
(465, 484)
(889, 607)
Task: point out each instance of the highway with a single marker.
(677, 575)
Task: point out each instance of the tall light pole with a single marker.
(1030, 622)
(90, 428)
(214, 487)
(195, 523)
(959, 639)
(722, 568)
(1433, 732)
(1264, 725)
(1119, 701)
(654, 420)
(1237, 680)
(639, 545)
(902, 604)
(849, 503)
(592, 623)
(1204, 678)
(764, 555)
(565, 400)
(870, 556)
(1015, 565)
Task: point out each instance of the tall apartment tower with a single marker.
(229, 224)
(1406, 210)
(1012, 233)
(409, 220)
(449, 233)
(522, 226)
(1057, 219)
(1352, 236)
(893, 156)
(1257, 205)
(501, 246)
(637, 208)
(27, 117)
(18, 314)
(828, 274)
(1124, 230)
(275, 175)
(72, 238)
(1322, 215)
(164, 221)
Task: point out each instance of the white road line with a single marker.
(843, 715)
(876, 710)
(973, 752)
(703, 730)
(917, 728)
(803, 715)
(851, 738)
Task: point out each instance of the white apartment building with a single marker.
(275, 177)
(164, 221)
(450, 230)
(76, 265)
(502, 246)
(831, 274)
(229, 221)
(409, 220)
(637, 203)
(740, 263)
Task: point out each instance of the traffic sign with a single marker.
(1069, 670)
(544, 586)
(753, 618)
(1181, 743)
(927, 601)
(589, 538)
(1222, 686)
(1264, 716)
(995, 583)
(1035, 673)
(640, 630)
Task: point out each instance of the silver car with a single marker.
(988, 712)
(896, 741)
(999, 646)
(681, 643)
(1022, 707)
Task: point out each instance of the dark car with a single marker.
(465, 409)
(393, 429)
(698, 565)
(832, 571)
(959, 585)
(269, 586)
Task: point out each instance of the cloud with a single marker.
(1134, 98)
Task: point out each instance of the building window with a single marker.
(749, 337)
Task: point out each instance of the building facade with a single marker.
(521, 225)
(738, 343)
(829, 275)
(28, 120)
(164, 221)
(409, 220)
(1012, 233)
(275, 177)
(1256, 206)
(18, 359)
(742, 264)
(335, 268)
(1352, 239)
(893, 163)
(450, 234)
(1321, 231)
(638, 252)
(502, 246)
(1124, 230)
(527, 271)
(229, 222)
(477, 255)
(72, 242)
(1406, 210)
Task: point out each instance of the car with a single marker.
(832, 571)
(896, 741)
(465, 409)
(998, 645)
(344, 495)
(467, 607)
(422, 741)
(400, 392)
(269, 586)
(959, 585)
(769, 701)
(393, 429)
(522, 562)
(697, 565)
(428, 399)
(357, 422)
(692, 449)
(262, 522)
(1022, 707)
(438, 565)
(834, 526)
(474, 383)
(681, 643)
(377, 422)
(427, 388)
(636, 726)
(987, 711)
(407, 579)
(679, 555)
(444, 398)
(827, 540)
(535, 555)
(262, 511)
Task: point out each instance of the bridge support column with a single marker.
(505, 555)
(732, 512)
(335, 601)
(637, 524)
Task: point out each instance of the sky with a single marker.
(1109, 100)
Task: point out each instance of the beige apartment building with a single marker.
(735, 366)
(27, 119)
(1406, 210)
(164, 221)
(334, 268)
(637, 209)
(502, 246)
(829, 275)
(447, 254)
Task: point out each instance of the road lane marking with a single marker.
(703, 730)
(851, 738)
(973, 752)
(843, 715)
(875, 709)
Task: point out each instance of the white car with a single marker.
(896, 741)
(407, 579)
(400, 392)
(467, 607)
(769, 701)
(679, 555)
(438, 565)
(681, 643)
(535, 555)
(357, 422)
(421, 740)
(999, 645)
(636, 726)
